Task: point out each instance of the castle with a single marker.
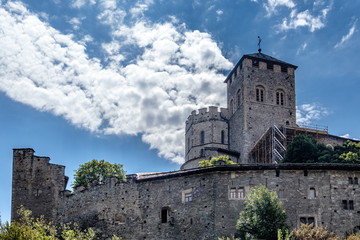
(204, 203)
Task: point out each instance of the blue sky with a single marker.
(116, 80)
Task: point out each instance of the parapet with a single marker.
(206, 114)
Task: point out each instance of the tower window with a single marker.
(231, 106)
(280, 97)
(202, 137)
(222, 137)
(312, 193)
(260, 92)
(238, 98)
(164, 214)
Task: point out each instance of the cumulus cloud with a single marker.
(347, 36)
(272, 5)
(307, 113)
(174, 71)
(313, 16)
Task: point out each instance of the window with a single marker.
(280, 97)
(350, 180)
(164, 214)
(188, 197)
(222, 137)
(281, 194)
(202, 137)
(351, 205)
(347, 205)
(236, 193)
(231, 106)
(238, 98)
(260, 92)
(356, 181)
(307, 220)
(312, 193)
(344, 204)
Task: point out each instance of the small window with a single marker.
(202, 137)
(312, 193)
(356, 181)
(344, 204)
(280, 97)
(164, 214)
(237, 193)
(281, 194)
(222, 137)
(188, 197)
(308, 220)
(238, 98)
(351, 205)
(260, 93)
(233, 193)
(350, 180)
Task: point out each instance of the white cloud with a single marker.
(81, 3)
(301, 48)
(304, 19)
(272, 5)
(346, 135)
(347, 36)
(307, 113)
(219, 13)
(140, 7)
(175, 71)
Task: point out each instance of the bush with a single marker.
(212, 162)
(262, 217)
(308, 232)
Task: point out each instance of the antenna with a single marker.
(259, 44)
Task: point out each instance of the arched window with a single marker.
(231, 106)
(260, 93)
(222, 137)
(202, 137)
(238, 98)
(280, 97)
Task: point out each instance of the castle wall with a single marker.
(133, 210)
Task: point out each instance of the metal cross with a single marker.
(259, 44)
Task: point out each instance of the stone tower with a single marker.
(36, 184)
(260, 94)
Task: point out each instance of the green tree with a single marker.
(302, 149)
(28, 228)
(262, 217)
(212, 162)
(97, 171)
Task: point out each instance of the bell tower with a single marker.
(260, 93)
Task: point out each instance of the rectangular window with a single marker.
(344, 204)
(350, 180)
(308, 220)
(236, 193)
(188, 197)
(277, 98)
(312, 193)
(281, 194)
(241, 192)
(261, 95)
(233, 194)
(351, 205)
(356, 181)
(257, 94)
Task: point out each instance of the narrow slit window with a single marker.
(202, 137)
(222, 137)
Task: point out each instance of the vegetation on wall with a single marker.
(305, 149)
(212, 161)
(28, 228)
(97, 171)
(263, 215)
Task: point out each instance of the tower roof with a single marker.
(261, 57)
(267, 58)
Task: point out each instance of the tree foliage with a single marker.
(262, 217)
(308, 232)
(305, 149)
(97, 171)
(28, 228)
(212, 161)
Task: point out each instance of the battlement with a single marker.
(206, 114)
